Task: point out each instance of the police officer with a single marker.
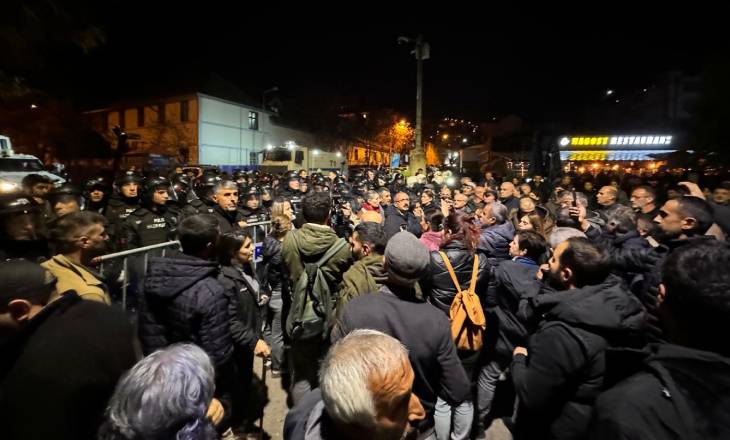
(181, 195)
(22, 229)
(124, 202)
(399, 184)
(253, 211)
(204, 189)
(96, 193)
(66, 199)
(291, 186)
(153, 222)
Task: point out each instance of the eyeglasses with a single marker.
(402, 200)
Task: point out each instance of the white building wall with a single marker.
(225, 139)
(224, 134)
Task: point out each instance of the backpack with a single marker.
(468, 323)
(312, 306)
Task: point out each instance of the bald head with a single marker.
(607, 196)
(506, 190)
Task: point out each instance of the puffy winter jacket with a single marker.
(509, 282)
(183, 302)
(271, 274)
(395, 219)
(494, 242)
(437, 285)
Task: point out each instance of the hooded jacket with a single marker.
(183, 302)
(510, 280)
(675, 392)
(437, 285)
(494, 242)
(307, 245)
(559, 380)
(363, 277)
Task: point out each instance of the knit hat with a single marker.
(406, 259)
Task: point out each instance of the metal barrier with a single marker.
(255, 229)
(124, 276)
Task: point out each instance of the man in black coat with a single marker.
(497, 233)
(59, 361)
(230, 218)
(420, 327)
(678, 389)
(184, 302)
(560, 376)
(399, 218)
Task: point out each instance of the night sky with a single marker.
(542, 65)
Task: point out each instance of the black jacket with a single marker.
(510, 281)
(228, 220)
(58, 373)
(423, 330)
(271, 264)
(145, 227)
(183, 302)
(244, 317)
(494, 242)
(559, 380)
(395, 219)
(438, 287)
(674, 392)
(117, 212)
(512, 203)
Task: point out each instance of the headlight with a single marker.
(8, 187)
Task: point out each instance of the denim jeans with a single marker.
(273, 332)
(486, 384)
(453, 422)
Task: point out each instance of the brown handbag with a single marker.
(468, 322)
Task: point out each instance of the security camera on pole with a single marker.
(421, 51)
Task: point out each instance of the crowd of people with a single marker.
(433, 307)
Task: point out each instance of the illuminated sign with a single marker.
(624, 140)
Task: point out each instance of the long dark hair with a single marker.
(460, 227)
(229, 245)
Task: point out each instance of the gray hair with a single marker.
(371, 195)
(164, 396)
(347, 369)
(383, 190)
(499, 212)
(561, 234)
(225, 185)
(581, 198)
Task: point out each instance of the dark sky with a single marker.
(542, 65)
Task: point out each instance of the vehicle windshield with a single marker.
(21, 165)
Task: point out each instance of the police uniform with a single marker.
(117, 212)
(145, 227)
(200, 207)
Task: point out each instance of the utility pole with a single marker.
(422, 52)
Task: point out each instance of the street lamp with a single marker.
(609, 92)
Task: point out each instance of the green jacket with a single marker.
(365, 276)
(313, 241)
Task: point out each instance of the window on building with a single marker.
(161, 113)
(140, 116)
(253, 120)
(184, 111)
